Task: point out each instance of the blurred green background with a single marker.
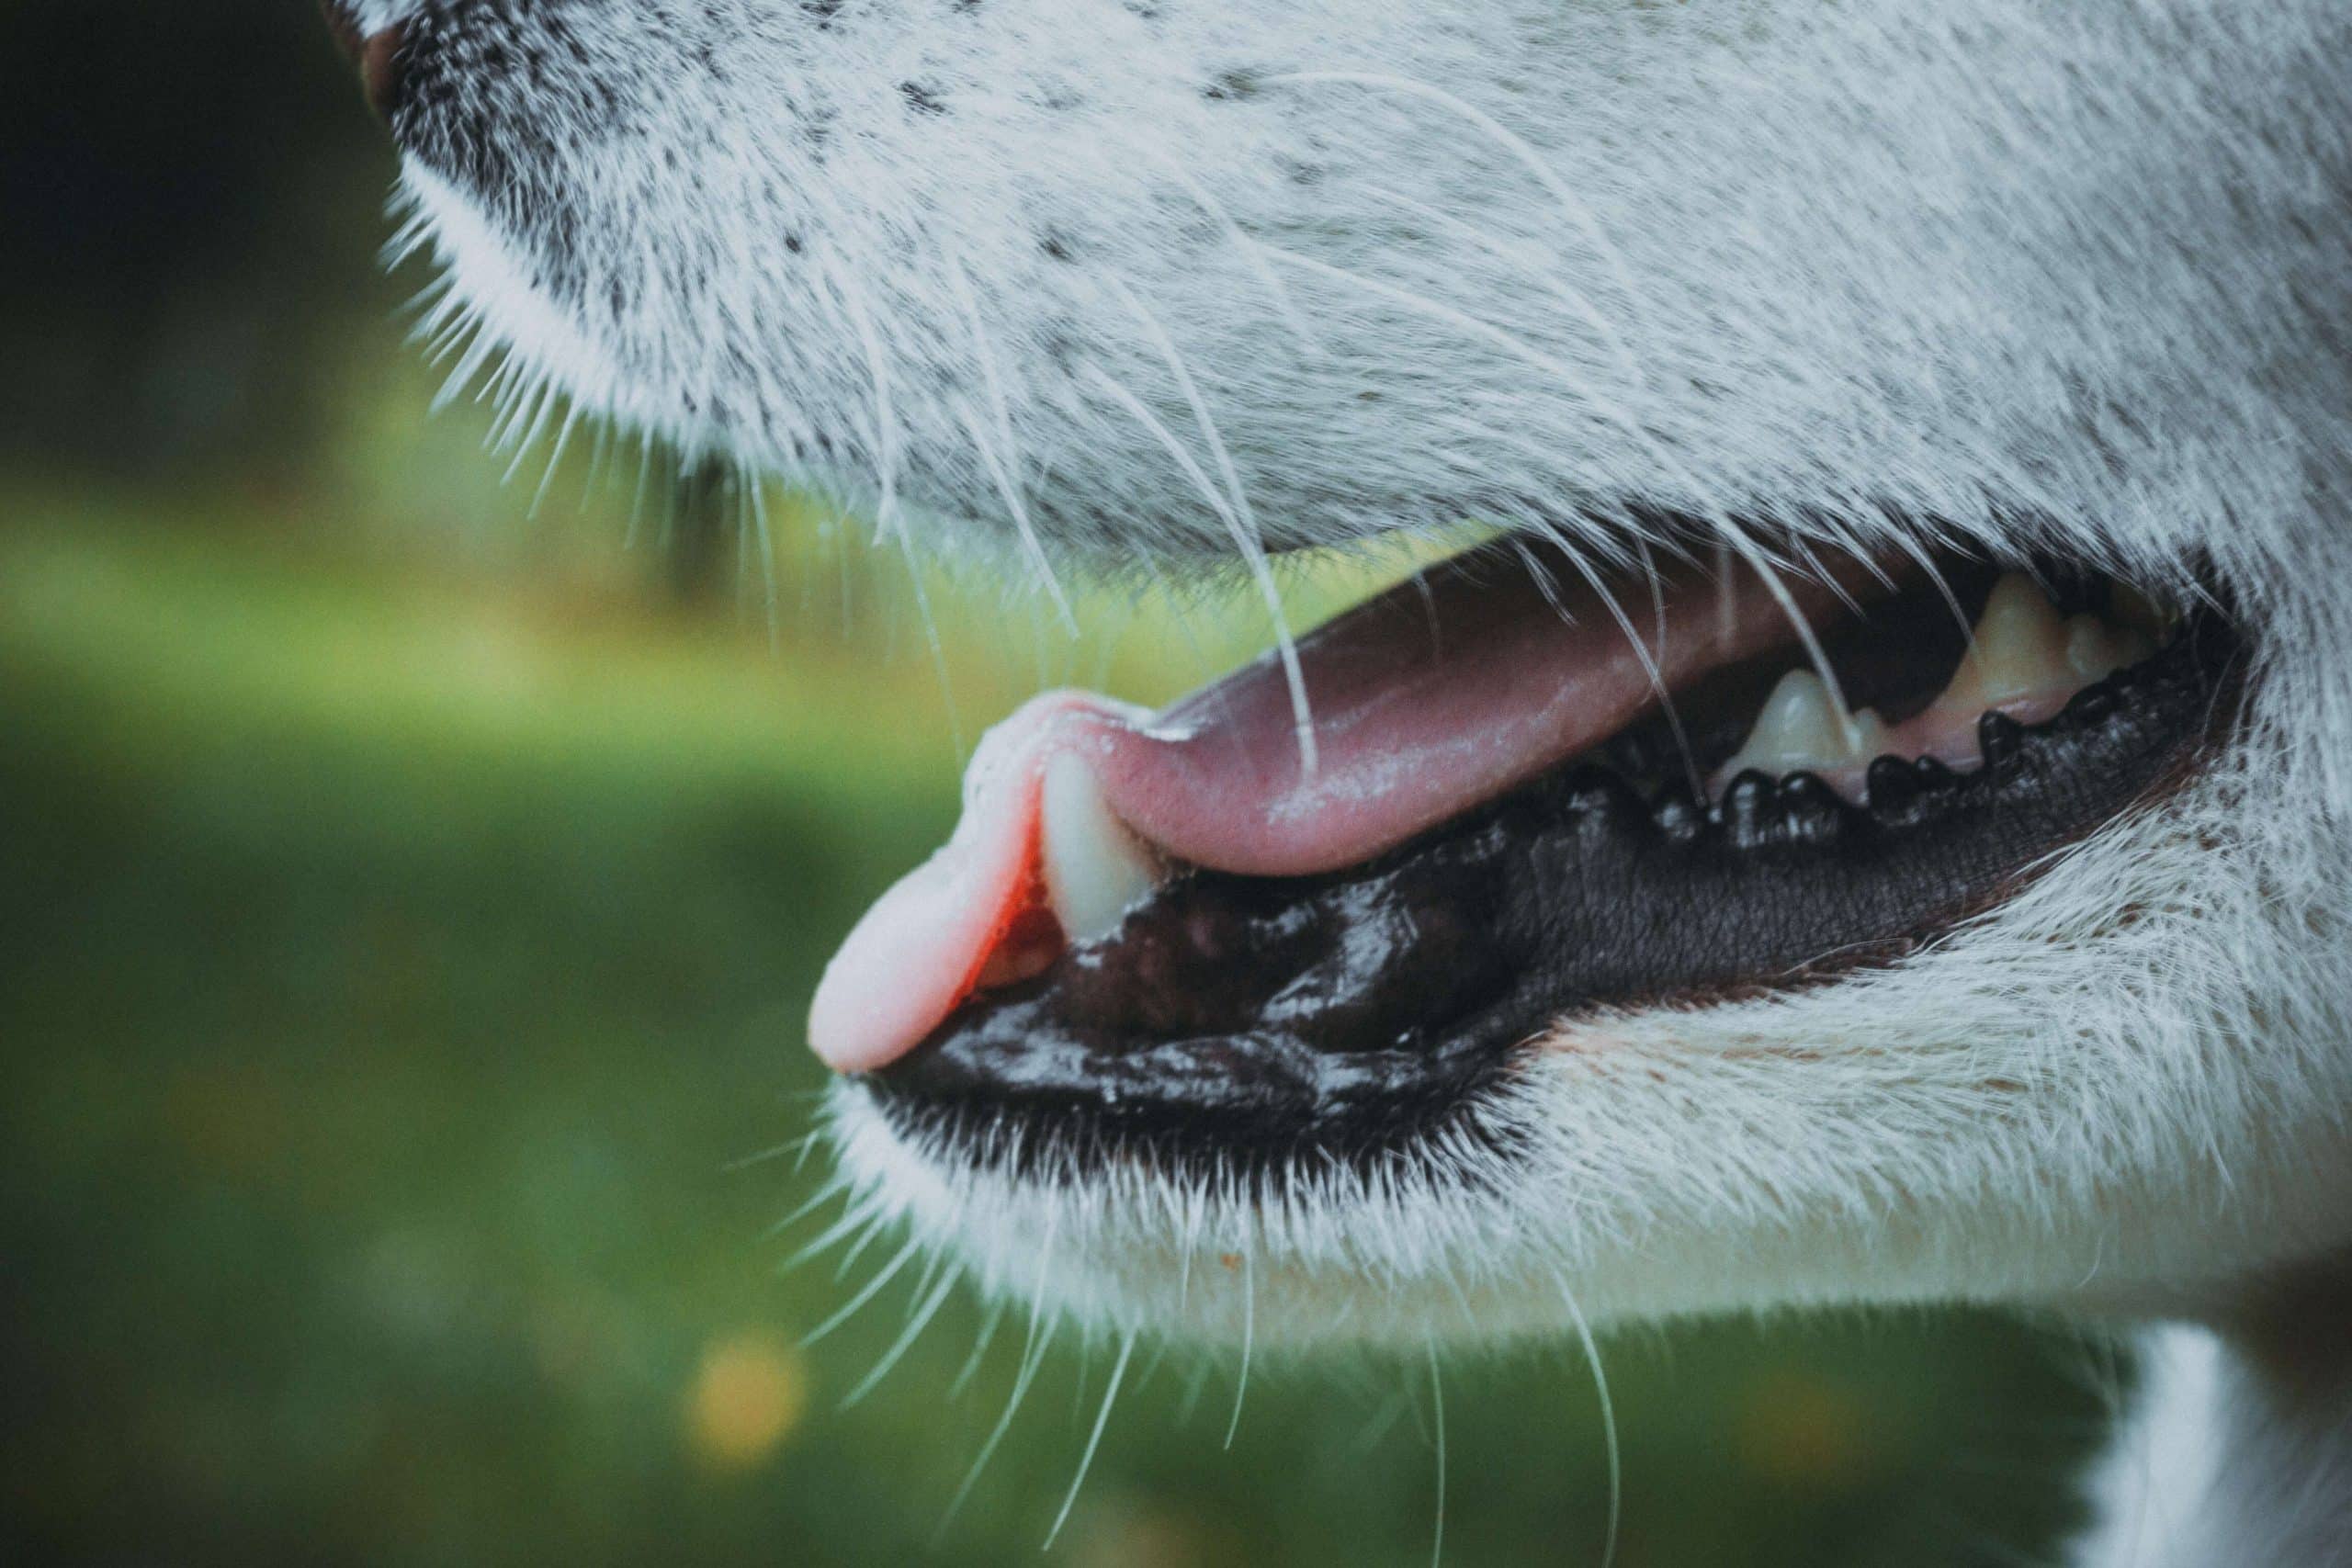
(411, 879)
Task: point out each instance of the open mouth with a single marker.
(1251, 930)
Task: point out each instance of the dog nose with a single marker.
(378, 53)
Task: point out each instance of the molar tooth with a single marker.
(1096, 870)
(2018, 650)
(2096, 649)
(1800, 728)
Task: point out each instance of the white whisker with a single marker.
(1094, 1438)
(1437, 1398)
(1001, 461)
(865, 1211)
(1041, 1336)
(1242, 525)
(1608, 1416)
(1248, 1339)
(1578, 214)
(980, 1341)
(1251, 252)
(899, 1346)
(1303, 717)
(873, 1287)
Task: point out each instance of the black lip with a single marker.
(1244, 1024)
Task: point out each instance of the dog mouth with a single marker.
(1317, 908)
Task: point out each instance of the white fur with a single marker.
(2059, 275)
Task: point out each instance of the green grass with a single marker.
(399, 969)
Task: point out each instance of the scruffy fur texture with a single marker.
(1121, 279)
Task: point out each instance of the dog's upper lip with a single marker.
(1425, 701)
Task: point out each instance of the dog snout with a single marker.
(377, 51)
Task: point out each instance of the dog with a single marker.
(1865, 820)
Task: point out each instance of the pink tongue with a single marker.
(1426, 701)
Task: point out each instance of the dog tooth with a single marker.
(1800, 728)
(2019, 649)
(1866, 736)
(2096, 649)
(1095, 868)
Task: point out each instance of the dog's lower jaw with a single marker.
(2240, 1449)
(2073, 1199)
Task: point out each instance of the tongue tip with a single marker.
(930, 942)
(898, 976)
(852, 1041)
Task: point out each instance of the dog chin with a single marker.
(2000, 1119)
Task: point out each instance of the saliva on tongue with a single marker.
(1424, 701)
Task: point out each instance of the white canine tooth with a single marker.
(1096, 870)
(1866, 737)
(2019, 650)
(2096, 650)
(1801, 728)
